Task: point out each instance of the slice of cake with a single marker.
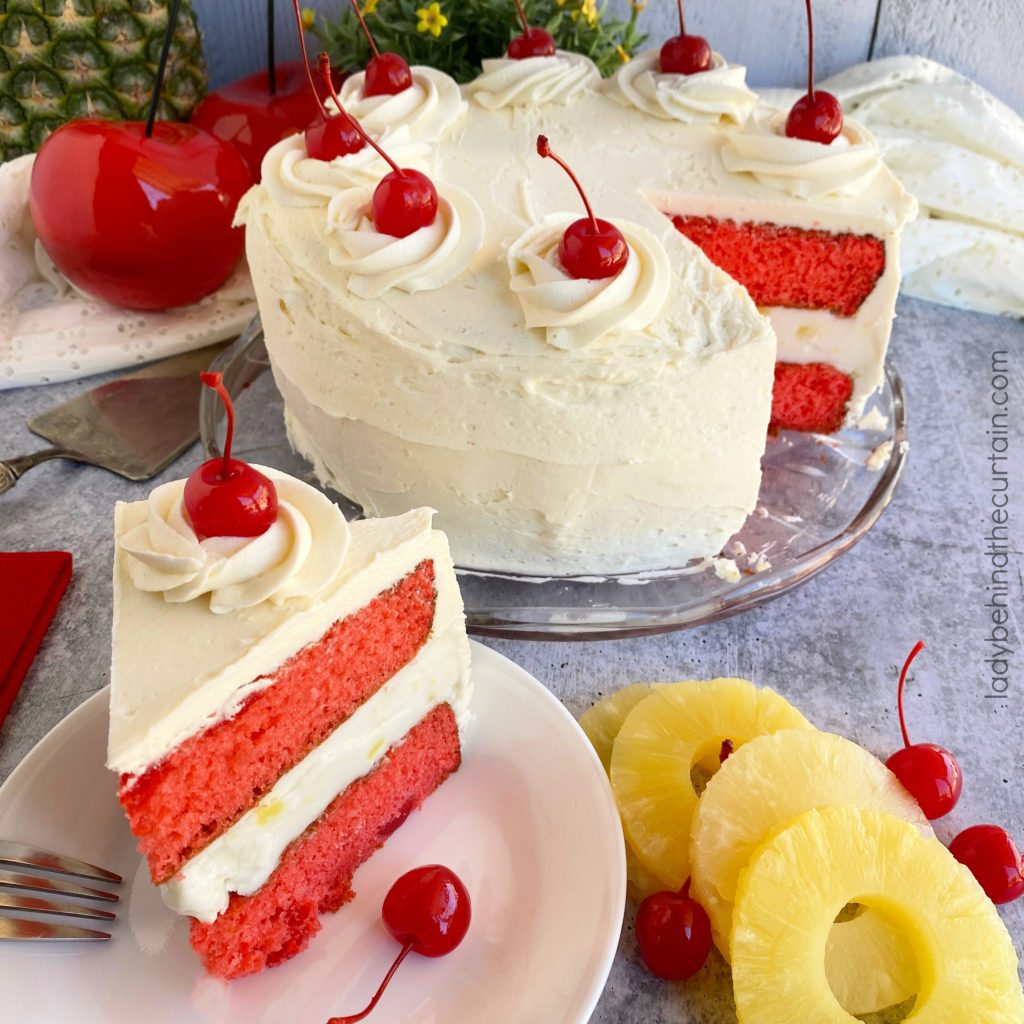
(279, 706)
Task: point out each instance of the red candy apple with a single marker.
(139, 214)
(142, 222)
(251, 118)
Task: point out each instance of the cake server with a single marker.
(133, 426)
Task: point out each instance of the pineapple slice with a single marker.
(601, 723)
(762, 787)
(676, 729)
(799, 880)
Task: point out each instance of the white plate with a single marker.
(528, 823)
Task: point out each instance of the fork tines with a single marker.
(30, 889)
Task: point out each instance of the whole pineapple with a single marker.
(62, 59)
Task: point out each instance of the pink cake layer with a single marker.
(178, 806)
(787, 266)
(809, 397)
(315, 872)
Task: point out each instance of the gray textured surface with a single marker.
(833, 646)
(983, 39)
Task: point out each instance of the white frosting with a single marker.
(295, 179)
(243, 858)
(534, 81)
(807, 170)
(960, 151)
(426, 259)
(176, 669)
(297, 556)
(636, 449)
(51, 332)
(573, 311)
(707, 97)
(428, 108)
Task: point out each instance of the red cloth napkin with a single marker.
(31, 586)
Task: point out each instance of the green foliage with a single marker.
(476, 29)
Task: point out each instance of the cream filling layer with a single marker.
(243, 858)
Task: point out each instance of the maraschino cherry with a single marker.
(928, 772)
(590, 249)
(427, 910)
(994, 859)
(404, 200)
(683, 54)
(534, 42)
(226, 497)
(139, 214)
(816, 116)
(673, 933)
(327, 137)
(387, 74)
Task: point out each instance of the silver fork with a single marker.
(26, 885)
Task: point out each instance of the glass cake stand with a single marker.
(819, 495)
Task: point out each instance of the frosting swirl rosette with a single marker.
(577, 311)
(807, 170)
(292, 178)
(298, 556)
(431, 105)
(534, 81)
(427, 258)
(707, 97)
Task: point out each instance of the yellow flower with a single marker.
(638, 7)
(588, 8)
(370, 6)
(431, 19)
(623, 56)
(308, 17)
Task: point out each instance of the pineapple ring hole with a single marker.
(873, 959)
(849, 912)
(705, 763)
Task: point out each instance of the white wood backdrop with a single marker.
(980, 38)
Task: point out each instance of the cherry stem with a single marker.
(323, 67)
(383, 985)
(213, 381)
(918, 647)
(685, 891)
(544, 149)
(366, 31)
(522, 14)
(305, 60)
(161, 68)
(810, 51)
(271, 62)
(682, 27)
